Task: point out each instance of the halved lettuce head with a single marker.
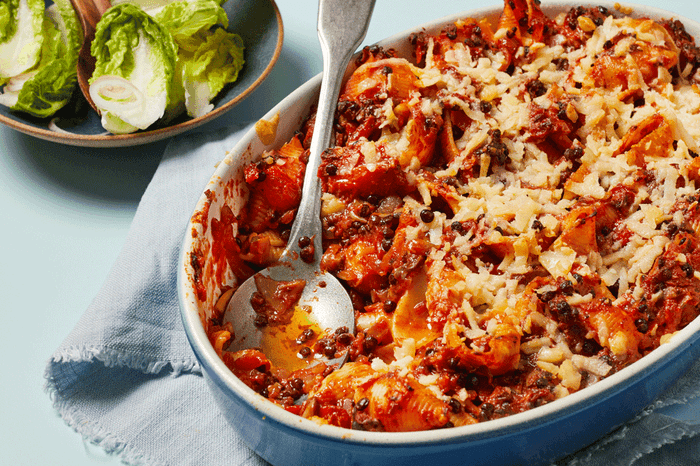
(135, 63)
(48, 86)
(21, 25)
(209, 57)
(216, 63)
(189, 21)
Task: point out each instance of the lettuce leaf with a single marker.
(189, 21)
(209, 57)
(135, 64)
(152, 7)
(49, 85)
(21, 25)
(215, 63)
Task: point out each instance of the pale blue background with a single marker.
(65, 213)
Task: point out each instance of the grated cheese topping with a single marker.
(516, 215)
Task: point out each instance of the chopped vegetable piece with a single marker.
(135, 64)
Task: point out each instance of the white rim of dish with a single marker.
(552, 411)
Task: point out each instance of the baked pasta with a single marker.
(514, 212)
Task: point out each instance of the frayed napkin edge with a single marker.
(90, 431)
(93, 433)
(674, 433)
(115, 358)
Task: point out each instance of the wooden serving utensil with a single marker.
(89, 12)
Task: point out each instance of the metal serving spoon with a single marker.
(342, 25)
(89, 12)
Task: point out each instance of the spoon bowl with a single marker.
(323, 294)
(342, 26)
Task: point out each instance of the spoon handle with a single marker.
(342, 25)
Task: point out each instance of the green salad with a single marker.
(38, 55)
(154, 60)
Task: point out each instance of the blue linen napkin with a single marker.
(126, 379)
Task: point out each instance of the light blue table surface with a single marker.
(66, 211)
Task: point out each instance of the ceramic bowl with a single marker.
(259, 24)
(538, 436)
